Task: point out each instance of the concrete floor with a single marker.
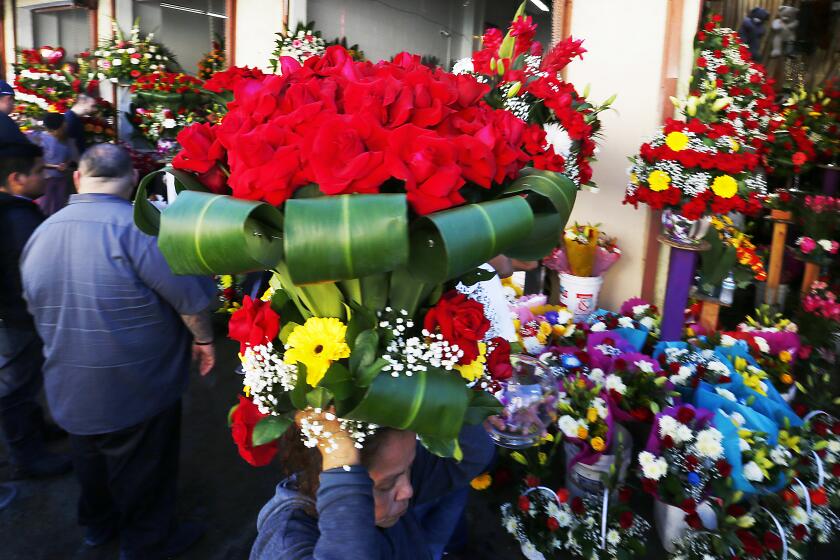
(216, 487)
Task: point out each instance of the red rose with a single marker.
(624, 494)
(818, 496)
(461, 321)
(685, 414)
(562, 495)
(772, 541)
(650, 486)
(134, 73)
(552, 524)
(790, 498)
(524, 503)
(532, 481)
(693, 520)
(498, 362)
(577, 506)
(692, 462)
(800, 532)
(625, 520)
(751, 545)
(667, 442)
(724, 468)
(243, 419)
(253, 324)
(688, 505)
(202, 153)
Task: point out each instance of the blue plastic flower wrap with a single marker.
(636, 336)
(732, 451)
(686, 393)
(772, 405)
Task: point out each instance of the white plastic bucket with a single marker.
(580, 294)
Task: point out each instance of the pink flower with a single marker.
(835, 246)
(806, 245)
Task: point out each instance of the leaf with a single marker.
(214, 234)
(319, 397)
(432, 403)
(146, 214)
(366, 374)
(230, 414)
(286, 330)
(298, 394)
(363, 319)
(443, 447)
(482, 405)
(446, 244)
(551, 197)
(338, 381)
(268, 429)
(475, 276)
(365, 351)
(345, 237)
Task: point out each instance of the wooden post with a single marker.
(781, 219)
(812, 273)
(709, 315)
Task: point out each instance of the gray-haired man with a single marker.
(119, 329)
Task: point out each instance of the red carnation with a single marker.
(650, 486)
(552, 524)
(667, 442)
(577, 506)
(800, 532)
(524, 503)
(818, 496)
(461, 321)
(532, 481)
(693, 520)
(562, 495)
(688, 505)
(685, 414)
(243, 419)
(625, 520)
(772, 541)
(752, 547)
(253, 324)
(624, 494)
(692, 462)
(498, 362)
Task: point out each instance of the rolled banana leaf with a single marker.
(343, 237)
(204, 233)
(146, 214)
(447, 244)
(432, 403)
(551, 197)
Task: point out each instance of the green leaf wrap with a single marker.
(551, 196)
(447, 244)
(146, 214)
(343, 237)
(432, 403)
(214, 234)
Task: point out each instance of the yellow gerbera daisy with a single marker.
(734, 144)
(317, 344)
(659, 180)
(677, 141)
(475, 369)
(725, 186)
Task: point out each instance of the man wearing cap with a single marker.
(9, 131)
(21, 417)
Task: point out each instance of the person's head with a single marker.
(85, 105)
(54, 123)
(106, 169)
(387, 456)
(7, 98)
(22, 169)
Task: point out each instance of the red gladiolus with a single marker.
(243, 419)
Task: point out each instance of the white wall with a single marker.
(257, 22)
(625, 48)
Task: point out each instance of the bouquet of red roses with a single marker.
(368, 190)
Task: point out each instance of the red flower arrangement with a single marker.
(696, 168)
(168, 82)
(357, 127)
(243, 418)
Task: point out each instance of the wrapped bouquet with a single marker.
(366, 189)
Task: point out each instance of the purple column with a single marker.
(680, 278)
(831, 179)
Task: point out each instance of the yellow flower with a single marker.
(475, 369)
(789, 441)
(583, 433)
(481, 482)
(247, 390)
(785, 357)
(740, 364)
(542, 458)
(545, 328)
(754, 383)
(659, 180)
(317, 344)
(269, 293)
(734, 144)
(725, 186)
(581, 384)
(592, 415)
(786, 378)
(598, 444)
(226, 280)
(634, 179)
(677, 141)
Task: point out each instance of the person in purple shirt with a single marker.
(60, 157)
(119, 330)
(393, 500)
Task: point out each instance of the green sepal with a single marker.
(345, 237)
(447, 244)
(204, 233)
(268, 429)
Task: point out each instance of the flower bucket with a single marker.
(682, 231)
(671, 525)
(580, 294)
(584, 479)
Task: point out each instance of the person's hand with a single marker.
(336, 446)
(205, 356)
